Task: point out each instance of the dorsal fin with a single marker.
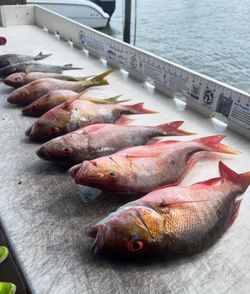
(72, 99)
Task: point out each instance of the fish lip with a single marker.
(73, 171)
(28, 131)
(11, 99)
(26, 110)
(98, 233)
(42, 153)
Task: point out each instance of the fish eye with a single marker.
(54, 130)
(135, 245)
(112, 174)
(23, 94)
(17, 79)
(67, 149)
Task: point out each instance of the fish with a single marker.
(36, 89)
(74, 114)
(98, 140)
(57, 97)
(140, 170)
(19, 79)
(34, 67)
(173, 221)
(8, 59)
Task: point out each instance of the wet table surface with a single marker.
(46, 215)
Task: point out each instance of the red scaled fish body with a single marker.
(142, 169)
(173, 221)
(57, 97)
(102, 139)
(72, 115)
(36, 89)
(19, 79)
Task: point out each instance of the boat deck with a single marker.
(46, 215)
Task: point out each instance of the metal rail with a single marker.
(201, 93)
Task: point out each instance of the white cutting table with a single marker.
(46, 215)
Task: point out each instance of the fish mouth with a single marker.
(43, 154)
(11, 99)
(73, 171)
(98, 233)
(28, 131)
(78, 172)
(27, 110)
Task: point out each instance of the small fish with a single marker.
(173, 221)
(8, 59)
(36, 89)
(74, 114)
(140, 170)
(34, 67)
(19, 79)
(98, 140)
(57, 97)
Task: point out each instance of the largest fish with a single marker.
(7, 59)
(33, 66)
(38, 88)
(72, 115)
(98, 140)
(142, 169)
(173, 221)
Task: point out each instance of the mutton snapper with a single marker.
(140, 170)
(8, 59)
(98, 140)
(36, 89)
(72, 115)
(173, 221)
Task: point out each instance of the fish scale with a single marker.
(173, 221)
(77, 113)
(141, 169)
(200, 215)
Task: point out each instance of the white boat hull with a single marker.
(85, 13)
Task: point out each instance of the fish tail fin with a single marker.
(100, 79)
(172, 128)
(213, 143)
(138, 109)
(241, 179)
(112, 100)
(70, 67)
(41, 56)
(73, 98)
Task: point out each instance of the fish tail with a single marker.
(70, 67)
(241, 179)
(41, 56)
(171, 128)
(113, 100)
(213, 143)
(138, 109)
(100, 79)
